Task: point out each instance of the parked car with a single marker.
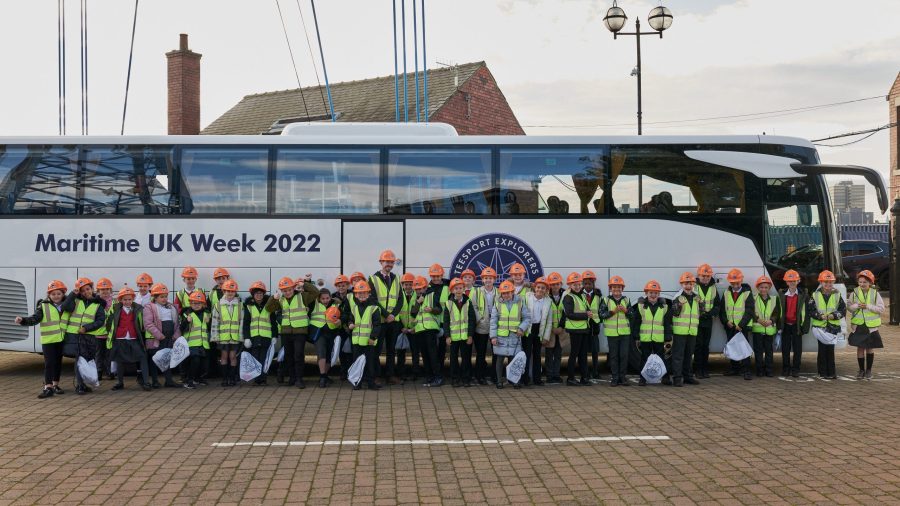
(873, 255)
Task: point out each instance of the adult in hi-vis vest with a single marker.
(685, 328)
(87, 320)
(49, 314)
(826, 310)
(386, 287)
(364, 323)
(794, 323)
(710, 305)
(738, 310)
(866, 306)
(766, 322)
(652, 326)
(459, 328)
(260, 326)
(615, 311)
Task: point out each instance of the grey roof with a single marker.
(368, 100)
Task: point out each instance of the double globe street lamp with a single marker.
(660, 19)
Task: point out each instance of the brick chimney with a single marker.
(184, 89)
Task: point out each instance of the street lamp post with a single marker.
(660, 19)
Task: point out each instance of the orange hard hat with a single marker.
(488, 272)
(516, 268)
(125, 291)
(221, 272)
(197, 296)
(104, 283)
(467, 272)
(541, 281)
(791, 275)
(507, 287)
(588, 275)
(159, 289)
(436, 270)
(286, 283)
(735, 276)
(652, 286)
(866, 274)
(687, 277)
(189, 272)
(456, 282)
(361, 287)
(357, 275)
(333, 314)
(56, 285)
(826, 276)
(763, 279)
(554, 278)
(83, 282)
(617, 281)
(704, 270)
(387, 256)
(407, 277)
(144, 279)
(573, 277)
(420, 283)
(341, 279)
(258, 285)
(230, 286)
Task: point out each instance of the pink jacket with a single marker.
(153, 325)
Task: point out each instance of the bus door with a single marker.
(363, 240)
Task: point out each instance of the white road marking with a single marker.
(435, 442)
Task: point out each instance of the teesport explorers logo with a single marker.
(498, 251)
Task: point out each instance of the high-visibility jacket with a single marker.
(183, 297)
(197, 334)
(388, 296)
(764, 310)
(688, 322)
(707, 296)
(826, 308)
(510, 317)
(866, 317)
(407, 320)
(317, 316)
(293, 312)
(229, 325)
(594, 305)
(83, 315)
(479, 302)
(734, 309)
(443, 291)
(580, 307)
(53, 324)
(459, 320)
(362, 330)
(522, 291)
(653, 324)
(556, 311)
(426, 321)
(617, 324)
(260, 321)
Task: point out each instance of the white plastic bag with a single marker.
(163, 358)
(402, 342)
(776, 343)
(88, 371)
(180, 351)
(335, 351)
(270, 354)
(280, 358)
(516, 367)
(250, 367)
(825, 337)
(654, 369)
(113, 368)
(355, 374)
(738, 348)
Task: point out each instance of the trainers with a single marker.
(155, 384)
(190, 385)
(80, 390)
(57, 390)
(171, 384)
(861, 374)
(571, 382)
(374, 386)
(358, 386)
(869, 374)
(642, 382)
(584, 382)
(482, 381)
(624, 382)
(47, 392)
(202, 383)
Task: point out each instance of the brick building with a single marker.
(893, 99)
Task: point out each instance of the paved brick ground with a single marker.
(732, 441)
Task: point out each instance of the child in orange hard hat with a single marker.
(293, 301)
(616, 315)
(593, 297)
(189, 277)
(49, 314)
(652, 326)
(125, 327)
(260, 326)
(710, 305)
(738, 311)
(342, 295)
(225, 331)
(510, 320)
(766, 323)
(427, 311)
(323, 328)
(84, 329)
(866, 306)
(794, 323)
(483, 299)
(407, 328)
(364, 322)
(577, 314)
(553, 352)
(459, 329)
(161, 324)
(441, 288)
(104, 366)
(826, 309)
(144, 281)
(685, 328)
(195, 325)
(539, 305)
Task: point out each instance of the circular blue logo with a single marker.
(498, 251)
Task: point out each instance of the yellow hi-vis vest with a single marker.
(229, 322)
(317, 317)
(406, 303)
(580, 307)
(617, 325)
(83, 315)
(764, 311)
(183, 297)
(53, 324)
(362, 330)
(866, 317)
(293, 312)
(688, 322)
(459, 320)
(734, 309)
(826, 308)
(476, 296)
(652, 327)
(426, 321)
(708, 296)
(556, 310)
(260, 322)
(510, 317)
(197, 334)
(594, 305)
(388, 296)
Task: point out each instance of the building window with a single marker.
(326, 181)
(436, 181)
(552, 181)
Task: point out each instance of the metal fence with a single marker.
(785, 239)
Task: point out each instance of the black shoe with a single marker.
(642, 382)
(322, 382)
(57, 390)
(146, 388)
(155, 384)
(614, 382)
(47, 392)
(759, 374)
(691, 381)
(482, 381)
(190, 385)
(595, 375)
(584, 382)
(795, 374)
(679, 382)
(374, 386)
(292, 383)
(572, 383)
(538, 383)
(731, 372)
(748, 376)
(704, 375)
(555, 381)
(171, 384)
(202, 383)
(302, 384)
(358, 386)
(770, 374)
(499, 385)
(328, 380)
(666, 380)
(624, 382)
(454, 383)
(280, 379)
(785, 372)
(226, 383)
(517, 386)
(80, 390)
(118, 386)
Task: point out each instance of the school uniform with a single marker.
(575, 308)
(53, 321)
(685, 329)
(195, 327)
(407, 325)
(161, 329)
(865, 323)
(538, 335)
(260, 327)
(593, 300)
(91, 315)
(617, 328)
(710, 307)
(426, 334)
(793, 323)
(294, 331)
(506, 318)
(386, 289)
(652, 326)
(553, 346)
(483, 301)
(442, 295)
(459, 327)
(826, 312)
(767, 308)
(104, 364)
(738, 308)
(366, 317)
(125, 327)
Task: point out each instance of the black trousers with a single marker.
(102, 360)
(195, 367)
(791, 341)
(460, 351)
(417, 355)
(428, 343)
(258, 349)
(480, 345)
(531, 345)
(743, 365)
(618, 356)
(289, 342)
(594, 347)
(388, 340)
(701, 350)
(371, 353)
(441, 354)
(52, 362)
(578, 354)
(651, 348)
(762, 353)
(825, 360)
(682, 352)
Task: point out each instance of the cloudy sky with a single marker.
(557, 64)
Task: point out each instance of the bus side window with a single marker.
(131, 179)
(439, 181)
(309, 181)
(222, 180)
(39, 180)
(552, 181)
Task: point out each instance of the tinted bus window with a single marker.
(327, 181)
(224, 180)
(440, 181)
(552, 181)
(127, 180)
(39, 180)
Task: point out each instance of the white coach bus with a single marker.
(326, 199)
